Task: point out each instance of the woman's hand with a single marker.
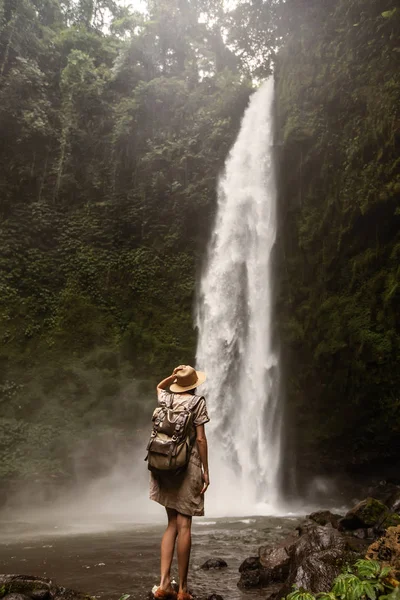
(175, 371)
(206, 481)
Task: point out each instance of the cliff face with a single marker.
(338, 273)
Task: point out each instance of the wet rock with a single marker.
(325, 517)
(251, 563)
(387, 550)
(251, 579)
(316, 559)
(276, 560)
(215, 597)
(318, 540)
(253, 574)
(37, 588)
(214, 563)
(361, 534)
(311, 561)
(305, 526)
(15, 597)
(367, 513)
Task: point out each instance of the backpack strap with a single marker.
(165, 403)
(194, 402)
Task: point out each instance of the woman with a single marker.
(183, 494)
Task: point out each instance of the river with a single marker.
(109, 559)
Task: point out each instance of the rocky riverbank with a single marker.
(25, 587)
(310, 556)
(323, 544)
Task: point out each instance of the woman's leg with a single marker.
(167, 549)
(184, 525)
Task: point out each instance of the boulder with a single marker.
(361, 534)
(276, 560)
(318, 540)
(36, 588)
(311, 561)
(251, 573)
(252, 563)
(324, 517)
(316, 559)
(305, 526)
(214, 563)
(367, 513)
(387, 550)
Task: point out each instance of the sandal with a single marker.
(165, 594)
(184, 596)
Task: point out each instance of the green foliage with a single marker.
(370, 581)
(338, 90)
(114, 127)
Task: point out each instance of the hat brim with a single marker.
(201, 377)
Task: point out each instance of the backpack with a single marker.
(172, 439)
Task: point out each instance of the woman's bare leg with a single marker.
(167, 549)
(184, 525)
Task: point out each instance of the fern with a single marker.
(371, 581)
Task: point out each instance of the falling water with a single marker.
(234, 321)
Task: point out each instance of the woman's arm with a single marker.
(203, 451)
(168, 380)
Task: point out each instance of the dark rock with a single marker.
(367, 513)
(355, 544)
(324, 517)
(316, 559)
(276, 560)
(360, 533)
(316, 572)
(16, 597)
(251, 579)
(215, 597)
(37, 588)
(318, 540)
(253, 573)
(214, 563)
(311, 561)
(305, 526)
(250, 564)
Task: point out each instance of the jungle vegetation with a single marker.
(114, 126)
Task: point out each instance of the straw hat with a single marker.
(187, 379)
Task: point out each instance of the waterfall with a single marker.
(233, 316)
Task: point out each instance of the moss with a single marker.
(392, 520)
(338, 109)
(371, 512)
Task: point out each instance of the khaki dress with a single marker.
(182, 491)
